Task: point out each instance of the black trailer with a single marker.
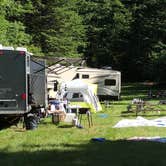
(21, 77)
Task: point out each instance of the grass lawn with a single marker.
(64, 145)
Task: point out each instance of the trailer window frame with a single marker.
(85, 76)
(110, 82)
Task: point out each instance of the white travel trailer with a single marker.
(107, 80)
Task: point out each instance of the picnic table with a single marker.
(144, 106)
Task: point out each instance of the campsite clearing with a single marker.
(64, 145)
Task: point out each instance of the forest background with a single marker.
(128, 35)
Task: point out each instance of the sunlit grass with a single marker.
(63, 144)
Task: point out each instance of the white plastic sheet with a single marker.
(140, 121)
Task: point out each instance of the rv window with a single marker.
(55, 85)
(109, 82)
(85, 76)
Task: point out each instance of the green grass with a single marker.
(64, 145)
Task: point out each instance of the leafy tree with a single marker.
(57, 28)
(129, 35)
(12, 31)
(125, 34)
(107, 22)
(3, 29)
(159, 59)
(147, 30)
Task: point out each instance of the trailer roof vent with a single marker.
(21, 49)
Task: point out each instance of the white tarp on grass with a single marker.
(140, 121)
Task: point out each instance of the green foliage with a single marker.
(12, 31)
(3, 29)
(128, 35)
(16, 34)
(57, 28)
(106, 22)
(159, 55)
(147, 29)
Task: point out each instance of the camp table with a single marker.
(79, 110)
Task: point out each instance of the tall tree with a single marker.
(147, 30)
(57, 28)
(12, 31)
(107, 22)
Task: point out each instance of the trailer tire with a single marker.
(31, 121)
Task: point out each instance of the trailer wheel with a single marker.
(31, 121)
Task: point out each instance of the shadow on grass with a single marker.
(120, 103)
(65, 126)
(143, 97)
(46, 121)
(115, 153)
(143, 115)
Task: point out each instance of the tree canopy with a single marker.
(129, 35)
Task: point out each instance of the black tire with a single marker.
(31, 121)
